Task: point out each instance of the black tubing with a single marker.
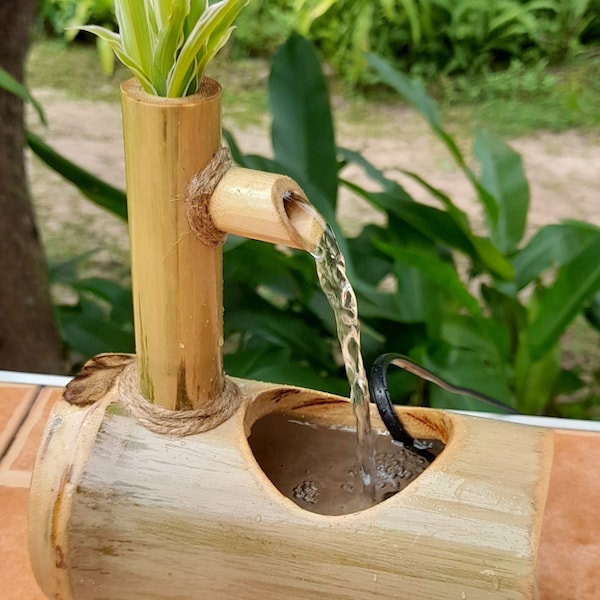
(381, 396)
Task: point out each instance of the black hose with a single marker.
(380, 395)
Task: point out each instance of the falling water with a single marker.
(331, 270)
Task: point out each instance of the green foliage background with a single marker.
(493, 324)
(421, 37)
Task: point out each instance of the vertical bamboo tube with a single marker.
(177, 280)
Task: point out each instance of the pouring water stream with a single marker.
(331, 271)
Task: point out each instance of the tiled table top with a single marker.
(24, 410)
(568, 563)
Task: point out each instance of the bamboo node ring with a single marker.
(177, 423)
(197, 196)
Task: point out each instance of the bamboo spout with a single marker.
(266, 207)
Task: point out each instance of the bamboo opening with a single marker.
(310, 456)
(252, 204)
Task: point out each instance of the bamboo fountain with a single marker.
(146, 484)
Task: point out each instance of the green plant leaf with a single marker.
(576, 282)
(592, 312)
(204, 40)
(91, 335)
(276, 365)
(10, 84)
(535, 379)
(97, 190)
(282, 329)
(114, 41)
(465, 368)
(302, 131)
(414, 93)
(552, 245)
(65, 272)
(502, 175)
(442, 274)
(507, 311)
(482, 248)
(116, 295)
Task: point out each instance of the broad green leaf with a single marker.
(89, 335)
(502, 175)
(97, 190)
(592, 312)
(10, 84)
(388, 185)
(535, 379)
(117, 296)
(417, 297)
(506, 311)
(485, 336)
(65, 272)
(483, 249)
(465, 368)
(576, 281)
(283, 329)
(552, 245)
(415, 94)
(276, 366)
(442, 274)
(438, 226)
(302, 131)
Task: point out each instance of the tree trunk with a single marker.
(29, 339)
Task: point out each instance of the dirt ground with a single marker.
(563, 170)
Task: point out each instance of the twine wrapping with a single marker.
(198, 194)
(177, 423)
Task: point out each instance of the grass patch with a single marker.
(512, 103)
(75, 70)
(524, 99)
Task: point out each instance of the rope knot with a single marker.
(197, 197)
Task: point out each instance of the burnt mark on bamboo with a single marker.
(284, 394)
(319, 402)
(96, 379)
(183, 401)
(59, 557)
(437, 426)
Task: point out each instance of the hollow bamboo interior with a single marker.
(177, 280)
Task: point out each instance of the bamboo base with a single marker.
(122, 513)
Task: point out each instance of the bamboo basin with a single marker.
(118, 512)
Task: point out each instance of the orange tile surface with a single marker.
(29, 407)
(15, 404)
(569, 557)
(568, 562)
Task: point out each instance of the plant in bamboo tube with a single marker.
(167, 44)
(172, 128)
